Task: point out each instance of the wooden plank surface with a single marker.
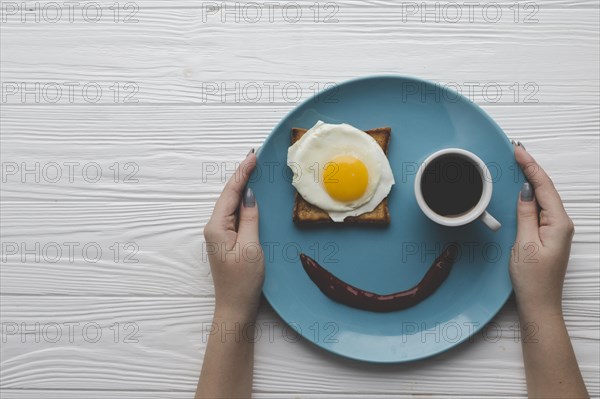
(68, 249)
(195, 91)
(169, 153)
(159, 346)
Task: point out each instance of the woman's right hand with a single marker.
(541, 250)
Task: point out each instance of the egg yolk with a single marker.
(345, 178)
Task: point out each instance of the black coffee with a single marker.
(451, 185)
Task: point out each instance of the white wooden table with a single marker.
(105, 289)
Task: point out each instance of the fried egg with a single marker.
(340, 169)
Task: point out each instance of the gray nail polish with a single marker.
(249, 200)
(526, 192)
(521, 145)
(250, 152)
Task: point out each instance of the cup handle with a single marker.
(490, 221)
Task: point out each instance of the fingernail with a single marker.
(249, 200)
(526, 192)
(514, 143)
(250, 152)
(521, 145)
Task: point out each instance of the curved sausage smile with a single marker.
(349, 295)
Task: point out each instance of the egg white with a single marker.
(320, 145)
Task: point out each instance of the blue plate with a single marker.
(424, 117)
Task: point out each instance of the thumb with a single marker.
(527, 215)
(248, 218)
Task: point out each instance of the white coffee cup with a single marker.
(476, 212)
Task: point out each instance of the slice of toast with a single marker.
(307, 214)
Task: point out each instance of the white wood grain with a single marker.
(168, 56)
(169, 250)
(174, 58)
(169, 350)
(344, 4)
(77, 394)
(176, 147)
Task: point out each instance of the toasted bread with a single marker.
(306, 214)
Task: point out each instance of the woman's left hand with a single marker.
(234, 251)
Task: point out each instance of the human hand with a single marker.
(541, 250)
(234, 252)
